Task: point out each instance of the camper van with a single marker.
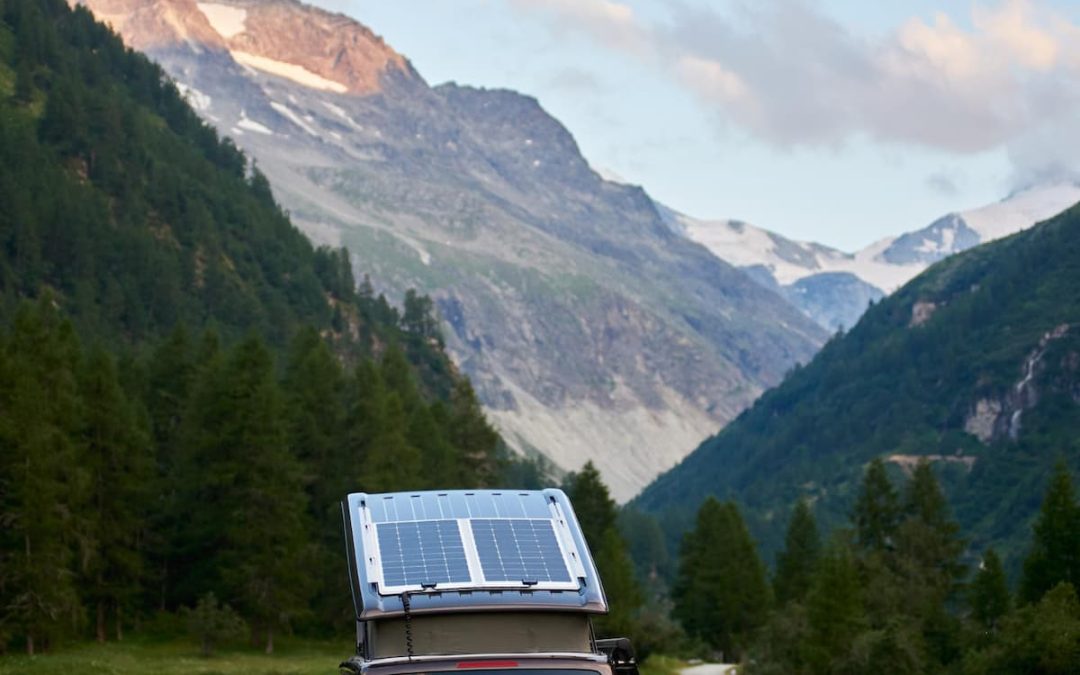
(496, 581)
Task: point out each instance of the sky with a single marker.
(836, 121)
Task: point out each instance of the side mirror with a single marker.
(620, 655)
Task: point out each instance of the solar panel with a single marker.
(461, 541)
(519, 550)
(422, 553)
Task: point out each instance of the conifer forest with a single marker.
(189, 387)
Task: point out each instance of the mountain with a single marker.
(973, 365)
(134, 216)
(590, 330)
(833, 287)
(187, 385)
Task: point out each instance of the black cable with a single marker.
(408, 625)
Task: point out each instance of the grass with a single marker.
(181, 658)
(659, 664)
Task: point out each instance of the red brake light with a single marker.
(487, 664)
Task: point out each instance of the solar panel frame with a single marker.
(373, 600)
(382, 564)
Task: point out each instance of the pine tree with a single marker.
(390, 463)
(171, 372)
(418, 318)
(595, 509)
(43, 489)
(171, 376)
(315, 393)
(796, 563)
(261, 526)
(476, 441)
(877, 509)
(1055, 550)
(926, 561)
(1042, 637)
(989, 593)
(116, 453)
(314, 389)
(597, 512)
(928, 539)
(721, 594)
(834, 607)
(620, 587)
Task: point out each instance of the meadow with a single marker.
(135, 657)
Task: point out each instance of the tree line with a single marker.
(891, 592)
(141, 484)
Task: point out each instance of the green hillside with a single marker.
(187, 386)
(120, 201)
(986, 343)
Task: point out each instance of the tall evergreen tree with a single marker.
(1042, 637)
(315, 396)
(391, 462)
(171, 376)
(248, 489)
(595, 509)
(795, 565)
(721, 594)
(116, 453)
(476, 441)
(1055, 550)
(264, 527)
(926, 562)
(928, 537)
(597, 513)
(314, 390)
(989, 594)
(877, 509)
(43, 489)
(834, 607)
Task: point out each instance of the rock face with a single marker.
(589, 328)
(834, 288)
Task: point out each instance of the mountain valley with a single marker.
(484, 201)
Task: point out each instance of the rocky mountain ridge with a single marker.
(590, 330)
(833, 287)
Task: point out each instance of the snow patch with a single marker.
(1021, 210)
(292, 117)
(251, 125)
(340, 112)
(195, 98)
(289, 71)
(227, 21)
(744, 245)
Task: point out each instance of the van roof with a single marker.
(468, 550)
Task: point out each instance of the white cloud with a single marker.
(612, 23)
(1006, 76)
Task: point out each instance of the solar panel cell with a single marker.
(519, 550)
(422, 553)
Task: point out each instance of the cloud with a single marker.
(611, 23)
(575, 80)
(943, 184)
(1005, 76)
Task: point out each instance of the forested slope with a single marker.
(187, 387)
(974, 364)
